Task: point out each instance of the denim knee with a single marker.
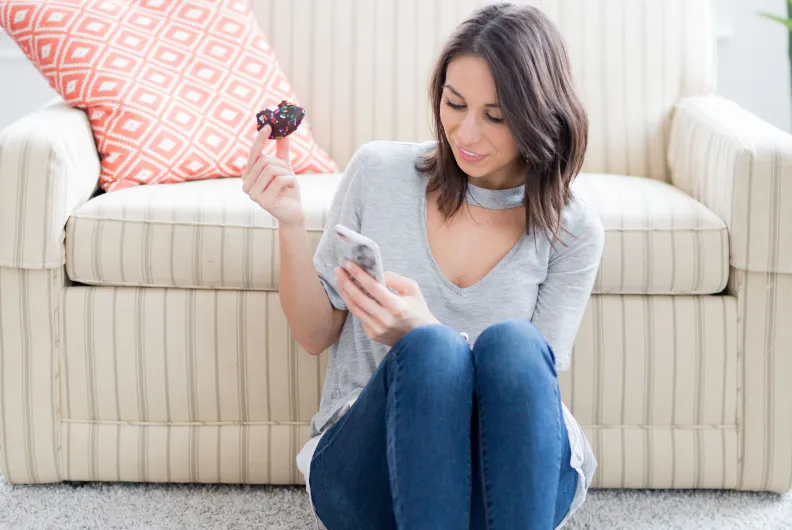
(431, 352)
(510, 344)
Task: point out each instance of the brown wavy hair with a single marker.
(528, 60)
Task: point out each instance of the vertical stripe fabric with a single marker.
(660, 402)
(764, 353)
(29, 372)
(229, 454)
(658, 240)
(362, 68)
(48, 167)
(208, 234)
(155, 371)
(135, 359)
(655, 361)
(654, 385)
(184, 356)
(740, 168)
(199, 234)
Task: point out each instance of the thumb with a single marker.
(400, 283)
(282, 150)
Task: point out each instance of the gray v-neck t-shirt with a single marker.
(382, 196)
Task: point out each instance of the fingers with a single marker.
(276, 185)
(370, 327)
(359, 298)
(264, 178)
(356, 310)
(275, 161)
(379, 292)
(263, 160)
(282, 150)
(251, 174)
(400, 283)
(366, 280)
(342, 280)
(258, 144)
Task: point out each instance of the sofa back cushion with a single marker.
(362, 68)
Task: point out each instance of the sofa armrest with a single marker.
(49, 166)
(740, 167)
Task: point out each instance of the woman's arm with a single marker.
(315, 323)
(270, 182)
(564, 294)
(308, 289)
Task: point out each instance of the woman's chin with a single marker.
(475, 170)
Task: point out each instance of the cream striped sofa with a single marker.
(141, 336)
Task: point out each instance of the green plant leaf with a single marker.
(785, 21)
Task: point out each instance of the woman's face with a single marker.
(474, 125)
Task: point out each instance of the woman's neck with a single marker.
(507, 177)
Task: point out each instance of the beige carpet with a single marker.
(98, 505)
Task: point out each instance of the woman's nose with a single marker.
(469, 131)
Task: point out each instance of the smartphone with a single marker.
(361, 250)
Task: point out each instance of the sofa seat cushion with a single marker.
(658, 239)
(198, 234)
(209, 234)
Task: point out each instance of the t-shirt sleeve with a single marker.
(346, 208)
(564, 294)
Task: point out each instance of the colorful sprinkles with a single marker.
(284, 120)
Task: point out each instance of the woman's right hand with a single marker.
(270, 181)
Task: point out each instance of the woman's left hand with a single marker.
(387, 317)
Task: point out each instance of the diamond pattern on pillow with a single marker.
(171, 87)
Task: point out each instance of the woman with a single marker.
(483, 240)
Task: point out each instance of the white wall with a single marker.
(22, 88)
(753, 67)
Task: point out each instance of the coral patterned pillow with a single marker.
(171, 87)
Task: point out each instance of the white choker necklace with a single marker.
(495, 199)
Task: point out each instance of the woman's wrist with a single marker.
(288, 229)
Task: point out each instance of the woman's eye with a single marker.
(460, 107)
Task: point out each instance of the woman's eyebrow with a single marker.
(449, 87)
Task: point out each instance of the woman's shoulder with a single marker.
(580, 213)
(382, 171)
(581, 219)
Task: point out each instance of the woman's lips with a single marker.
(469, 156)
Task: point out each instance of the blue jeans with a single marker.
(448, 437)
